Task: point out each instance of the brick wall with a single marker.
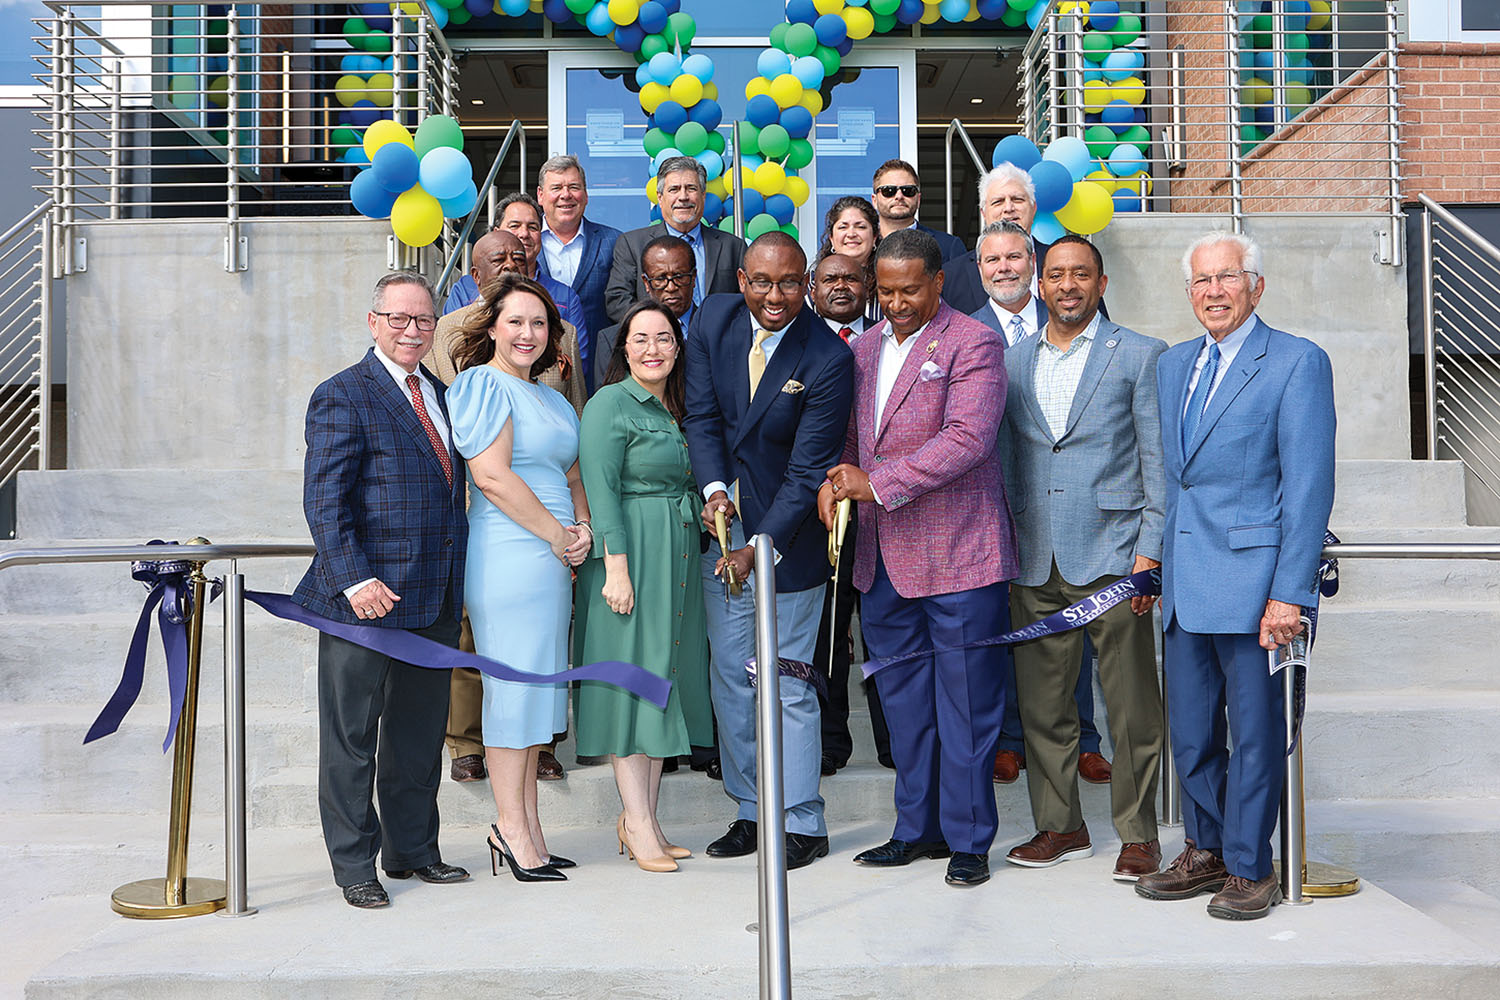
(1451, 122)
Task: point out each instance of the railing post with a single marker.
(235, 869)
(233, 258)
(1429, 332)
(1293, 834)
(1171, 790)
(775, 943)
(116, 132)
(1393, 132)
(1235, 110)
(44, 343)
(67, 133)
(739, 194)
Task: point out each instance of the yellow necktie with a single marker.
(758, 359)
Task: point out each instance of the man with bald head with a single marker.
(668, 271)
(768, 393)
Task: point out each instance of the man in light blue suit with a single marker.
(1083, 439)
(1248, 429)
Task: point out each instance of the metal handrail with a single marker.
(461, 241)
(770, 867)
(956, 127)
(26, 354)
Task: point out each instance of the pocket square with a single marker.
(929, 371)
(792, 386)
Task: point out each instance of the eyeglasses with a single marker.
(889, 190)
(1226, 279)
(679, 279)
(400, 321)
(663, 340)
(788, 286)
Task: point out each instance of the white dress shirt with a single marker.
(892, 358)
(856, 327)
(563, 258)
(1029, 320)
(1229, 347)
(1057, 375)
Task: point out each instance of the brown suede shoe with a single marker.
(1242, 899)
(1094, 768)
(1047, 848)
(1008, 766)
(547, 767)
(1136, 860)
(469, 767)
(1191, 872)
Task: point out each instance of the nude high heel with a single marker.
(661, 864)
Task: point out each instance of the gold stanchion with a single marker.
(836, 535)
(732, 584)
(177, 895)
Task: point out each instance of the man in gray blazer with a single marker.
(681, 184)
(1083, 439)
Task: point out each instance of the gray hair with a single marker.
(680, 165)
(1251, 258)
(377, 301)
(561, 164)
(1007, 172)
(1005, 228)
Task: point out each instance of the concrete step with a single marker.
(1429, 841)
(1396, 493)
(1374, 647)
(1461, 908)
(238, 505)
(1449, 581)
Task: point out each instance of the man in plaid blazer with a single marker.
(935, 548)
(383, 492)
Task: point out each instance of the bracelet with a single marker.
(585, 524)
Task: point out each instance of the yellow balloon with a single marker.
(786, 90)
(1082, 8)
(812, 100)
(381, 92)
(1104, 179)
(1136, 184)
(623, 11)
(416, 218)
(1320, 16)
(1253, 91)
(409, 9)
(1096, 94)
(1130, 90)
(1089, 210)
(687, 90)
(828, 6)
(652, 94)
(860, 22)
(711, 91)
(796, 189)
(651, 195)
(973, 14)
(758, 85)
(719, 186)
(536, 6)
(218, 92)
(770, 178)
(385, 131)
(930, 13)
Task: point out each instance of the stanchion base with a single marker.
(147, 899)
(1325, 881)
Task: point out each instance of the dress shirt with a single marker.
(1228, 348)
(694, 239)
(434, 412)
(1007, 320)
(563, 258)
(892, 358)
(856, 327)
(1057, 375)
(769, 346)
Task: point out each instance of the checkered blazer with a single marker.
(943, 524)
(377, 502)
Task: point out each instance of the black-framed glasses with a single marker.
(889, 190)
(788, 286)
(678, 279)
(400, 321)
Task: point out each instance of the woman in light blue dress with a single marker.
(528, 523)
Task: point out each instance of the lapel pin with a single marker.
(932, 347)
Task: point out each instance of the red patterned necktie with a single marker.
(415, 385)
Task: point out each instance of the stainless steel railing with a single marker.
(457, 249)
(1235, 110)
(26, 344)
(1461, 337)
(956, 128)
(770, 865)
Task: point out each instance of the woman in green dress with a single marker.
(639, 595)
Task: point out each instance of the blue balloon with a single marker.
(457, 208)
(556, 11)
(713, 163)
(713, 208)
(643, 76)
(665, 67)
(356, 154)
(1122, 63)
(762, 110)
(514, 8)
(1296, 14)
(801, 12)
(707, 113)
(368, 64)
(670, 116)
(910, 11)
(1127, 201)
(671, 6)
(991, 9)
(1016, 149)
(364, 114)
(655, 215)
(1119, 115)
(1054, 185)
(1034, 18)
(798, 121)
(1073, 153)
(439, 16)
(953, 11)
(444, 172)
(1046, 228)
(809, 70)
(845, 47)
(395, 166)
(771, 63)
(699, 65)
(751, 160)
(652, 17)
(1104, 15)
(628, 38)
(832, 29)
(663, 157)
(1127, 160)
(755, 202)
(597, 20)
(350, 64)
(478, 8)
(783, 209)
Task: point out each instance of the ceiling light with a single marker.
(976, 100)
(477, 102)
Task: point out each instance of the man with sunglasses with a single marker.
(897, 195)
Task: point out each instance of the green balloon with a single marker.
(801, 39)
(791, 230)
(378, 42)
(774, 141)
(883, 7)
(580, 6)
(355, 29)
(691, 138)
(652, 44)
(885, 22)
(778, 35)
(1021, 5)
(1297, 43)
(1013, 18)
(1137, 135)
(343, 138)
(799, 155)
(726, 224)
(655, 141)
(1100, 140)
(716, 142)
(760, 225)
(749, 137)
(435, 131)
(1096, 45)
(681, 28)
(830, 59)
(1126, 30)
(459, 15)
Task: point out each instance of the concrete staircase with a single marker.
(1403, 780)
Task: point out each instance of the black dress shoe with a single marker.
(894, 853)
(366, 895)
(437, 873)
(803, 849)
(714, 770)
(738, 842)
(968, 869)
(831, 764)
(886, 760)
(668, 765)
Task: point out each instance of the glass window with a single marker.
(857, 133)
(742, 18)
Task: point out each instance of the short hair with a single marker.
(377, 300)
(1063, 241)
(912, 244)
(513, 198)
(1007, 172)
(1005, 228)
(474, 346)
(1251, 258)
(890, 165)
(776, 239)
(559, 164)
(675, 391)
(680, 165)
(837, 209)
(673, 243)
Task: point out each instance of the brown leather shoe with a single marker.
(1047, 848)
(1191, 872)
(1243, 899)
(469, 767)
(1094, 768)
(1136, 860)
(547, 767)
(1008, 766)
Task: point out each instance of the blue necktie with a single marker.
(1199, 402)
(698, 275)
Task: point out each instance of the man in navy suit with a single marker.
(769, 388)
(383, 494)
(896, 194)
(1006, 194)
(1248, 432)
(575, 251)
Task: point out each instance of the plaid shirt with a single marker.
(1057, 375)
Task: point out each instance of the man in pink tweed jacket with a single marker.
(935, 548)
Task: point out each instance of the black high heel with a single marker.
(541, 873)
(558, 861)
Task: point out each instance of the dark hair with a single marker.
(912, 244)
(838, 208)
(1074, 238)
(774, 239)
(474, 344)
(513, 198)
(675, 394)
(669, 243)
(889, 165)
